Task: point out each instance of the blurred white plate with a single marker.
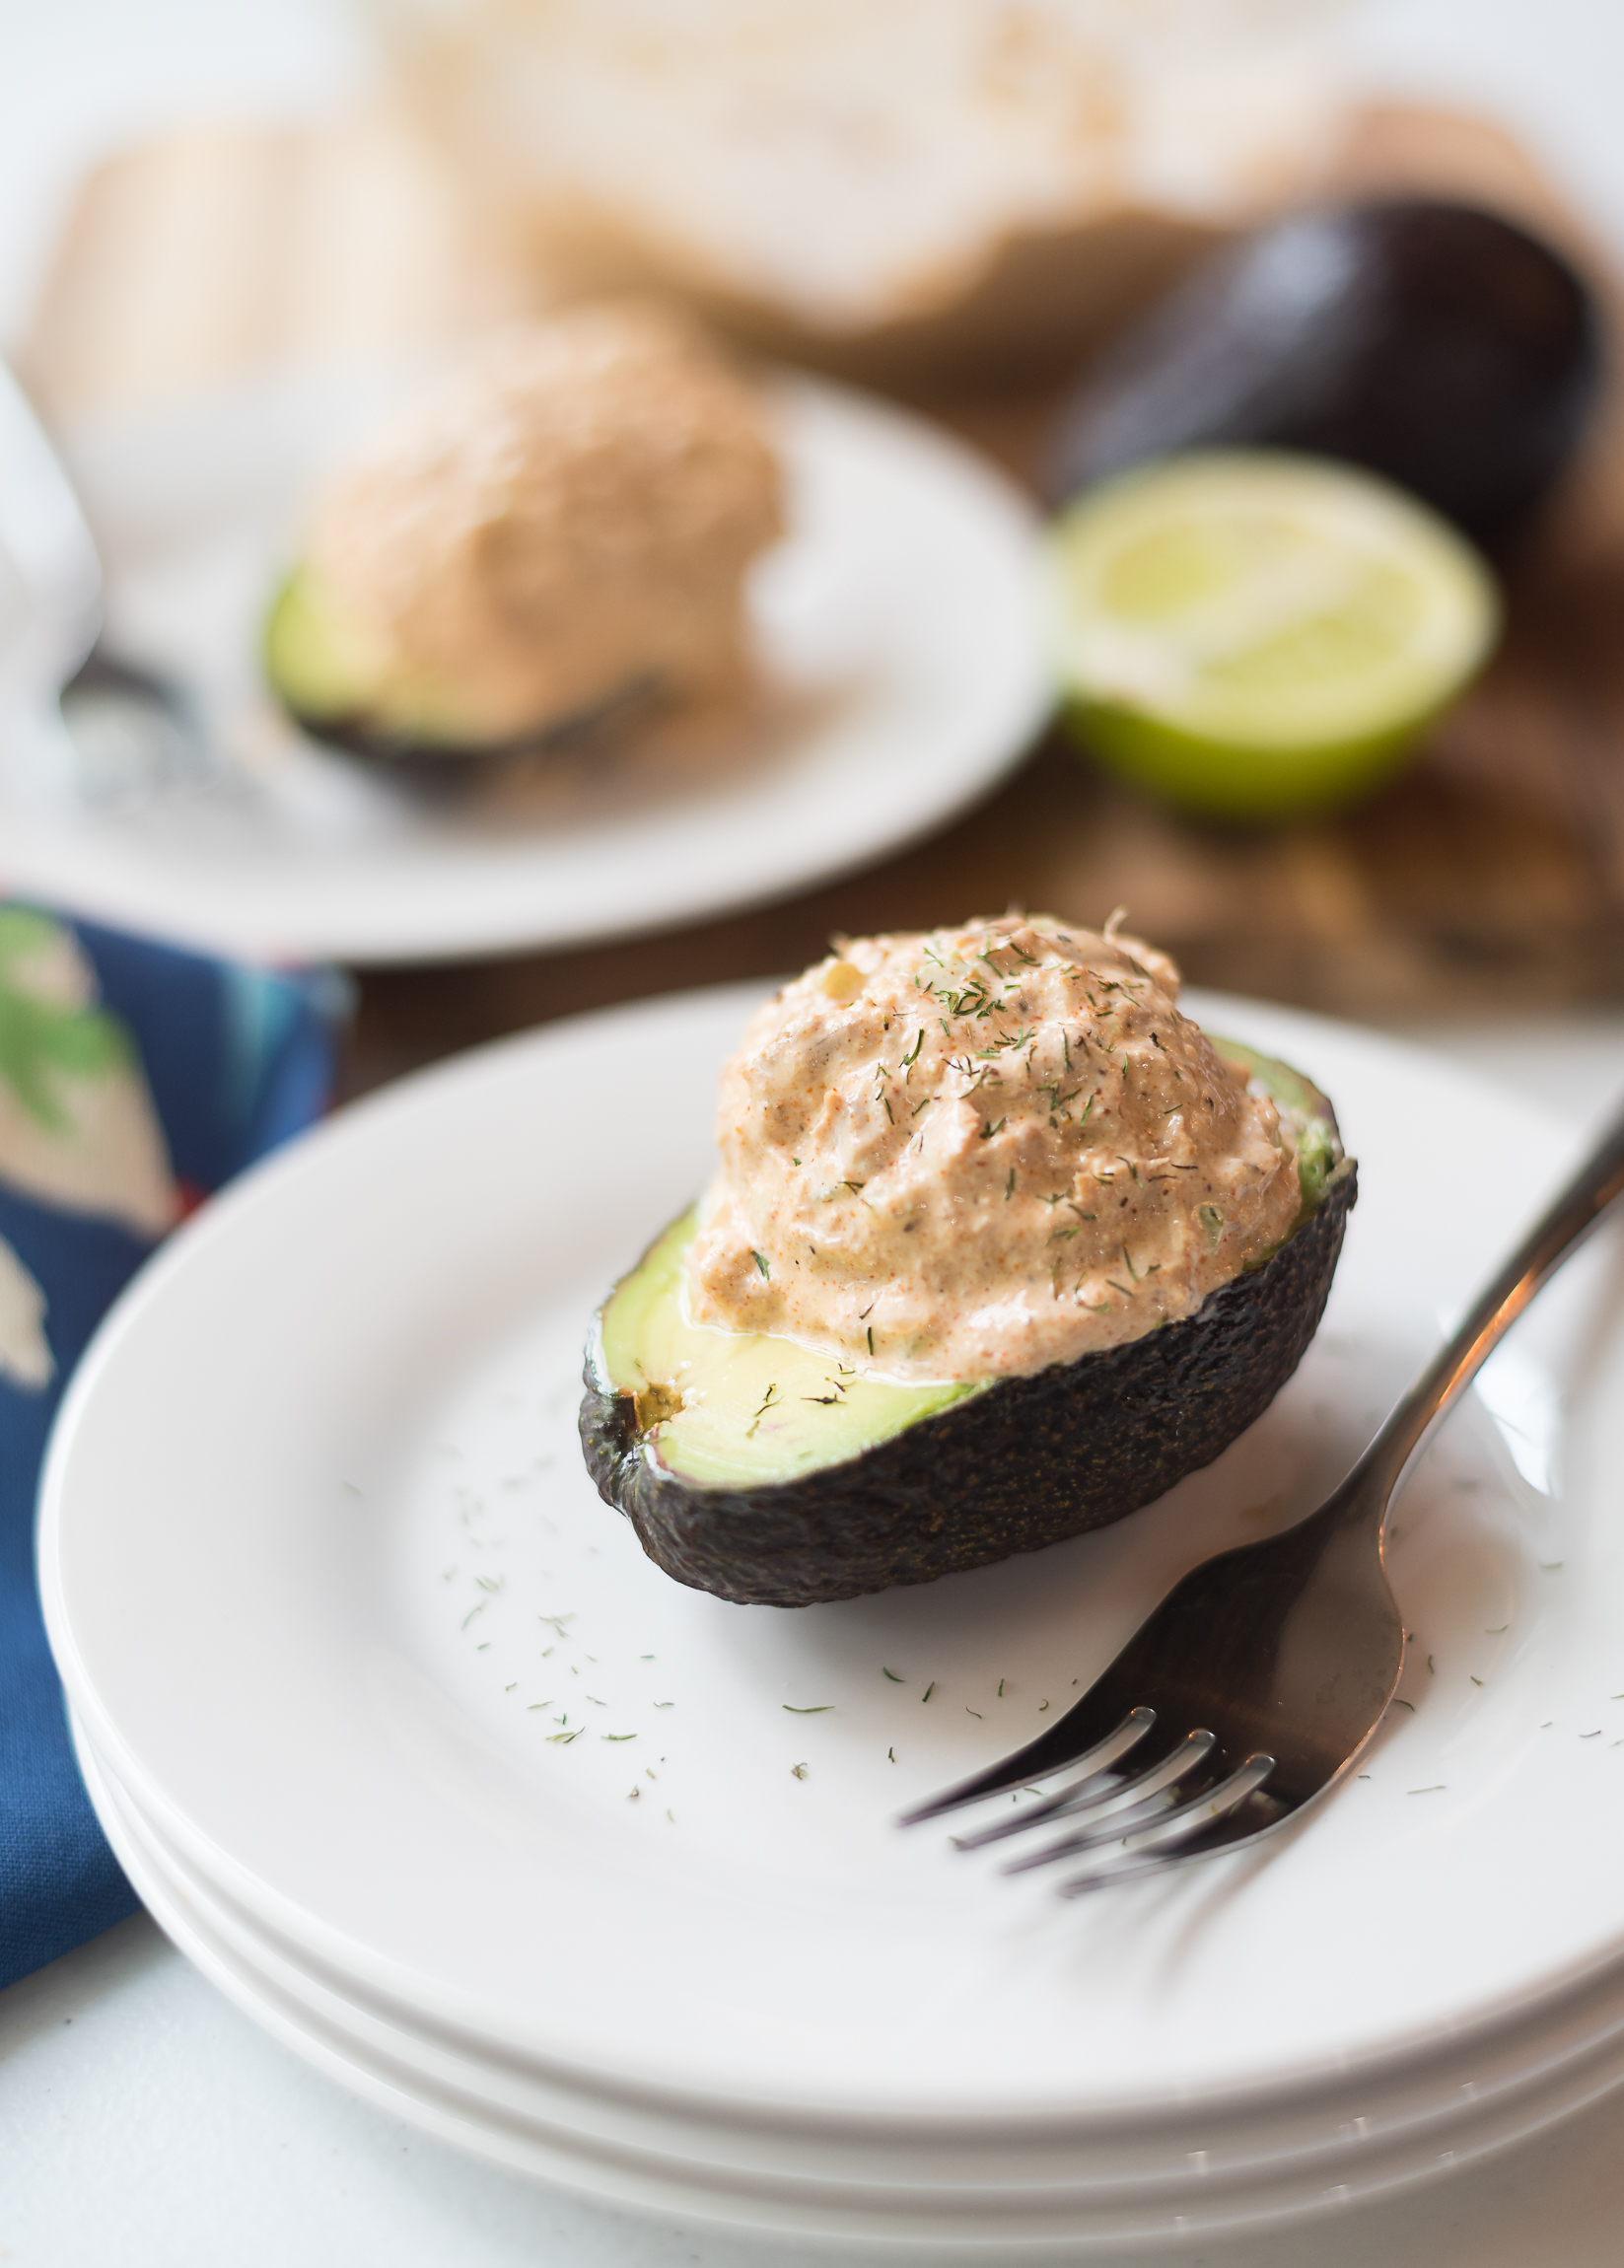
(898, 660)
(337, 1607)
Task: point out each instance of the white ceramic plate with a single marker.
(326, 1584)
(897, 646)
(1432, 2114)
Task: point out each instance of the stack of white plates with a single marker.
(416, 1755)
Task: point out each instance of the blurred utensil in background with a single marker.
(50, 593)
(75, 724)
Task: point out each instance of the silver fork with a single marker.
(1256, 1684)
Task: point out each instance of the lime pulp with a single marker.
(1249, 632)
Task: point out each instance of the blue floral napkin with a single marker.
(134, 1079)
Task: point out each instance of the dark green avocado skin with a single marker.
(1439, 344)
(1023, 1465)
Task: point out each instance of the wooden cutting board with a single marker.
(1492, 875)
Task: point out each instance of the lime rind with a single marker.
(1249, 630)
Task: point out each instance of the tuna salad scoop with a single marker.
(979, 1152)
(569, 518)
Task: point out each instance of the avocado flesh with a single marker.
(813, 1492)
(734, 1408)
(1306, 1113)
(329, 681)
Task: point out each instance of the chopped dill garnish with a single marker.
(1001, 1688)
(891, 1754)
(871, 1338)
(1008, 1186)
(930, 1689)
(797, 1771)
(816, 1709)
(760, 1260)
(618, 1736)
(891, 1674)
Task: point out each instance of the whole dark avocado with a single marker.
(1438, 344)
(1025, 1462)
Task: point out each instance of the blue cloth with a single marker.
(134, 1079)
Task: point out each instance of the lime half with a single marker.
(1248, 632)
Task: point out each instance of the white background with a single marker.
(142, 2121)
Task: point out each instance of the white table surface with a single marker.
(143, 2121)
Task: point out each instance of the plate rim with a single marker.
(43, 855)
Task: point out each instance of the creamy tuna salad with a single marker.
(981, 1151)
(572, 513)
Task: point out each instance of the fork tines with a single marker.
(1181, 1807)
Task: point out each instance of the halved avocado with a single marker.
(767, 1474)
(336, 689)
(331, 684)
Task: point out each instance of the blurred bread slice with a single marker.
(224, 253)
(959, 189)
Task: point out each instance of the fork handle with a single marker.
(1559, 1230)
